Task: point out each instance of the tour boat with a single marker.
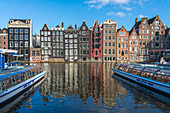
(156, 78)
(22, 98)
(15, 81)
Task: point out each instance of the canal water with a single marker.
(87, 88)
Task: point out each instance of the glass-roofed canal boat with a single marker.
(16, 79)
(155, 78)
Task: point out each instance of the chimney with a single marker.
(62, 24)
(75, 26)
(136, 21)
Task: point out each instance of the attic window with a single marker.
(157, 23)
(4, 31)
(84, 28)
(11, 21)
(45, 28)
(27, 21)
(144, 21)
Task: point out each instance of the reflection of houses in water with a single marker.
(81, 80)
(109, 85)
(96, 81)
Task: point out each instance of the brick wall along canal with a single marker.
(88, 87)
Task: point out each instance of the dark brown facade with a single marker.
(84, 42)
(71, 45)
(20, 37)
(45, 39)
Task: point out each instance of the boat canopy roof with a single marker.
(12, 74)
(20, 71)
(143, 68)
(27, 69)
(139, 67)
(149, 69)
(3, 77)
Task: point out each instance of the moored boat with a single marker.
(15, 81)
(156, 78)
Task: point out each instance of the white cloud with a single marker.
(120, 14)
(100, 3)
(127, 8)
(141, 16)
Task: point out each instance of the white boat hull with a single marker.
(13, 91)
(164, 88)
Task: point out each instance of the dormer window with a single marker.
(4, 31)
(11, 21)
(27, 21)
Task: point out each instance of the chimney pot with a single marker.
(62, 24)
(136, 20)
(75, 26)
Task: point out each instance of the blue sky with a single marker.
(53, 12)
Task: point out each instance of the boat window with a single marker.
(128, 70)
(160, 78)
(154, 77)
(121, 68)
(16, 79)
(23, 76)
(146, 74)
(29, 74)
(5, 84)
(137, 70)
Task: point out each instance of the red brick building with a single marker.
(122, 44)
(4, 38)
(96, 42)
(35, 54)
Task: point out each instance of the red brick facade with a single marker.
(96, 42)
(122, 44)
(4, 38)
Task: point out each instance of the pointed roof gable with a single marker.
(45, 27)
(133, 30)
(70, 27)
(122, 28)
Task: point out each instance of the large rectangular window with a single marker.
(21, 44)
(122, 33)
(113, 51)
(16, 43)
(26, 37)
(26, 43)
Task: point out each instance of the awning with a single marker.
(18, 55)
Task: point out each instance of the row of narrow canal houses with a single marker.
(146, 41)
